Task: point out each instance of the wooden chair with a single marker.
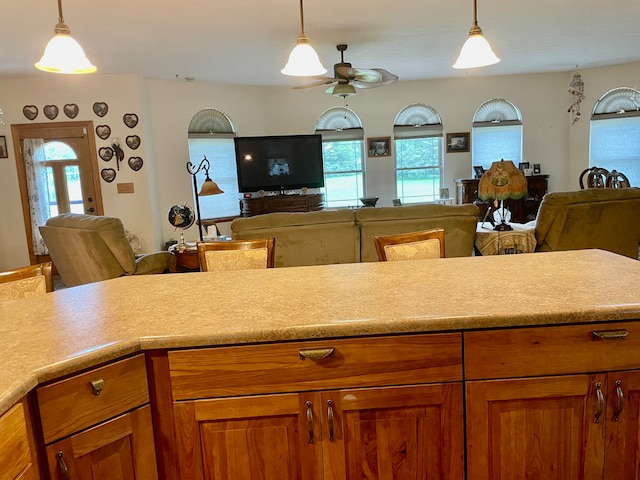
(595, 177)
(617, 179)
(411, 246)
(26, 281)
(236, 254)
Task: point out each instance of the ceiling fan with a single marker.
(347, 78)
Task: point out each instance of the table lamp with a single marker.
(503, 180)
(209, 187)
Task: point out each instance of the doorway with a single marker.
(57, 173)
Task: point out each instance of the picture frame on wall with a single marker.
(379, 147)
(458, 142)
(3, 147)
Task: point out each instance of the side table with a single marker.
(184, 260)
(522, 239)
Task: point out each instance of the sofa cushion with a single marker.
(604, 218)
(458, 221)
(305, 238)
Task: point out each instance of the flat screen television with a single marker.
(279, 163)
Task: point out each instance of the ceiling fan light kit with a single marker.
(63, 54)
(341, 90)
(476, 51)
(303, 60)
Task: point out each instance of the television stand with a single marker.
(281, 203)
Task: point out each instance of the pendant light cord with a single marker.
(475, 13)
(301, 18)
(60, 17)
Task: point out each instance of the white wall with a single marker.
(165, 108)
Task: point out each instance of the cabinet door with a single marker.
(266, 437)
(119, 449)
(548, 428)
(394, 433)
(623, 426)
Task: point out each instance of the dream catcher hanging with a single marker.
(576, 90)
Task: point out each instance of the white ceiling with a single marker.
(247, 42)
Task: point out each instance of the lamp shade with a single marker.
(476, 51)
(303, 60)
(209, 187)
(503, 180)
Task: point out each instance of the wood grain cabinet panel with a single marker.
(15, 451)
(268, 411)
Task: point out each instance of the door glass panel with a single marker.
(74, 188)
(53, 203)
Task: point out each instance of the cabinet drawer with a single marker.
(71, 405)
(15, 455)
(255, 369)
(552, 350)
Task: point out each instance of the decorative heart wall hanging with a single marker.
(100, 109)
(71, 110)
(50, 111)
(103, 131)
(106, 153)
(108, 174)
(130, 119)
(133, 141)
(135, 163)
(30, 111)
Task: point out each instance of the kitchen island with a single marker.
(458, 300)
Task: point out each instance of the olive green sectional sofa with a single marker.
(346, 235)
(604, 218)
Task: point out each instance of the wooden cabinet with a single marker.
(522, 210)
(388, 407)
(557, 403)
(16, 456)
(281, 203)
(97, 424)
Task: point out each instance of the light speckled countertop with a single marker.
(45, 337)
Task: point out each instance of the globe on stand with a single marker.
(181, 217)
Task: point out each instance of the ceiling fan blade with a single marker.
(322, 81)
(360, 74)
(385, 79)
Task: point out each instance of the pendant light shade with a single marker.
(476, 51)
(303, 60)
(63, 54)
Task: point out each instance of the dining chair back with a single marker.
(236, 254)
(420, 245)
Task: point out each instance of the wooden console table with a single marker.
(281, 203)
(522, 211)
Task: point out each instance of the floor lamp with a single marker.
(209, 187)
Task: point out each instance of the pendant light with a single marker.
(303, 60)
(63, 54)
(476, 51)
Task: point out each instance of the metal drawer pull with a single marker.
(600, 400)
(316, 353)
(62, 467)
(619, 401)
(330, 419)
(97, 386)
(310, 420)
(609, 335)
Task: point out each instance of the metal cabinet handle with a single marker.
(315, 353)
(310, 420)
(97, 386)
(330, 420)
(600, 403)
(609, 334)
(62, 466)
(619, 401)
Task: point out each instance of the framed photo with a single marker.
(536, 168)
(458, 142)
(444, 193)
(523, 166)
(3, 147)
(478, 170)
(379, 147)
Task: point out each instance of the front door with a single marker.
(69, 161)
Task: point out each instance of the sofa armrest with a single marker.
(157, 262)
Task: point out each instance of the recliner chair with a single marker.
(89, 248)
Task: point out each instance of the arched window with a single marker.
(211, 134)
(342, 136)
(615, 133)
(417, 134)
(496, 133)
